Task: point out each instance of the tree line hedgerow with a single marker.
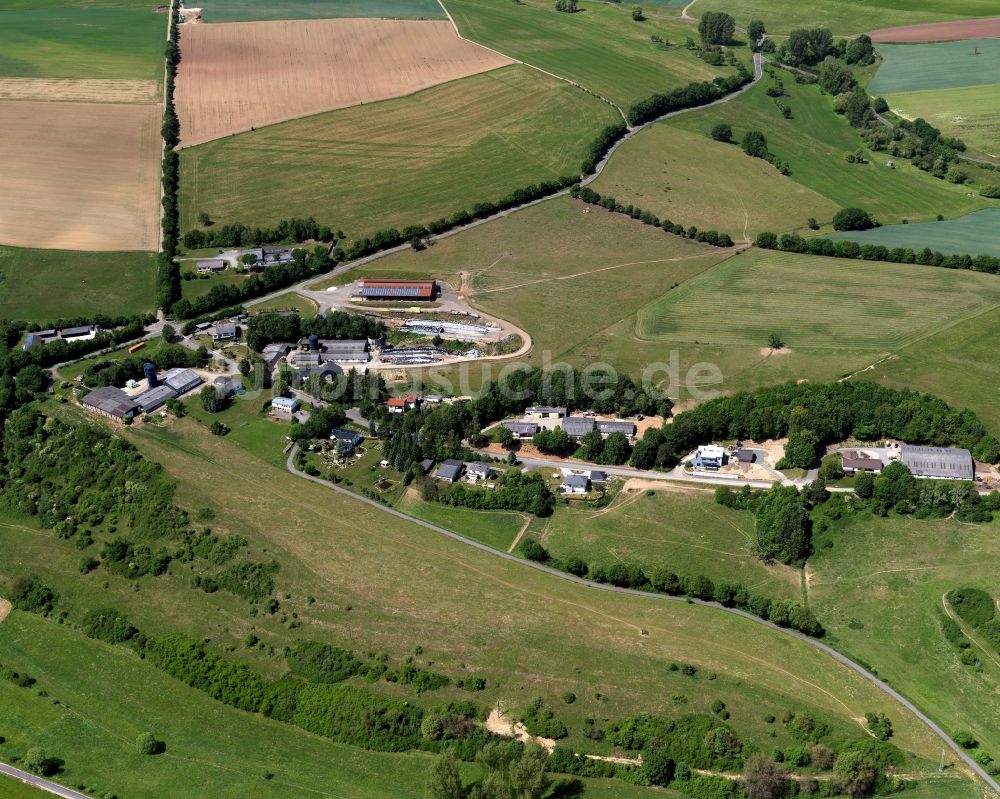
(168, 279)
(792, 242)
(712, 237)
(690, 96)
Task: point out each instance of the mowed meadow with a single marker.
(238, 77)
(399, 162)
(253, 10)
(599, 47)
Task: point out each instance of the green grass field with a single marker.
(942, 65)
(957, 363)
(815, 143)
(782, 16)
(683, 529)
(77, 39)
(815, 302)
(42, 285)
(971, 114)
(975, 234)
(878, 590)
(390, 586)
(494, 528)
(289, 301)
(600, 47)
(399, 162)
(253, 11)
(688, 178)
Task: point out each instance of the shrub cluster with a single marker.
(514, 490)
(712, 237)
(270, 328)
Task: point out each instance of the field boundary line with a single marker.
(600, 97)
(163, 115)
(813, 642)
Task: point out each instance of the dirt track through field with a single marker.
(79, 176)
(4, 609)
(238, 76)
(941, 31)
(80, 91)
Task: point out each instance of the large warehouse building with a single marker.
(939, 463)
(392, 290)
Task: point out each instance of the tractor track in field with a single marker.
(813, 642)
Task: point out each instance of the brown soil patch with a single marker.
(941, 31)
(4, 609)
(768, 352)
(242, 75)
(80, 91)
(79, 176)
(499, 723)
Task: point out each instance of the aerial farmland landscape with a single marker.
(499, 399)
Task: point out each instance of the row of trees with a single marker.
(270, 328)
(712, 237)
(690, 96)
(168, 279)
(792, 242)
(240, 235)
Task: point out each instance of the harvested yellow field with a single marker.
(80, 91)
(79, 176)
(242, 75)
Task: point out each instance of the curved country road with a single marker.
(813, 642)
(41, 783)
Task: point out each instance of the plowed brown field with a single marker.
(941, 31)
(237, 76)
(79, 176)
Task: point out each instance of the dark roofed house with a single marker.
(577, 426)
(861, 462)
(346, 440)
(479, 470)
(598, 476)
(111, 402)
(609, 427)
(522, 429)
(575, 484)
(78, 333)
(224, 331)
(392, 289)
(210, 265)
(940, 463)
(450, 470)
(228, 386)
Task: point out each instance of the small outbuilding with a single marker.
(746, 456)
(545, 411)
(284, 407)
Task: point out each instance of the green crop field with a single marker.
(81, 40)
(399, 162)
(691, 179)
(942, 65)
(971, 114)
(957, 363)
(600, 47)
(976, 234)
(255, 11)
(813, 302)
(782, 16)
(815, 143)
(683, 529)
(878, 590)
(471, 612)
(43, 285)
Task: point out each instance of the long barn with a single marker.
(392, 290)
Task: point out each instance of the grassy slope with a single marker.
(682, 529)
(970, 114)
(252, 10)
(43, 285)
(288, 301)
(689, 178)
(877, 590)
(398, 162)
(844, 18)
(814, 144)
(386, 585)
(600, 47)
(495, 528)
(974, 234)
(957, 363)
(81, 40)
(942, 65)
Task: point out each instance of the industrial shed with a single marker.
(154, 398)
(577, 426)
(348, 351)
(522, 429)
(182, 380)
(939, 463)
(111, 402)
(609, 427)
(393, 290)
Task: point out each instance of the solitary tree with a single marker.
(146, 744)
(754, 144)
(855, 774)
(444, 781)
(755, 30)
(852, 219)
(722, 132)
(716, 27)
(763, 778)
(637, 14)
(35, 760)
(504, 436)
(210, 399)
(168, 333)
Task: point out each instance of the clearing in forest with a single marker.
(240, 76)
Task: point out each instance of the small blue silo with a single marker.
(150, 370)
(314, 342)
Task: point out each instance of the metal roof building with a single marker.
(111, 402)
(608, 427)
(546, 411)
(577, 426)
(941, 463)
(522, 429)
(152, 399)
(393, 289)
(182, 380)
(352, 351)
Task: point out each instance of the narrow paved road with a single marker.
(41, 783)
(813, 642)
